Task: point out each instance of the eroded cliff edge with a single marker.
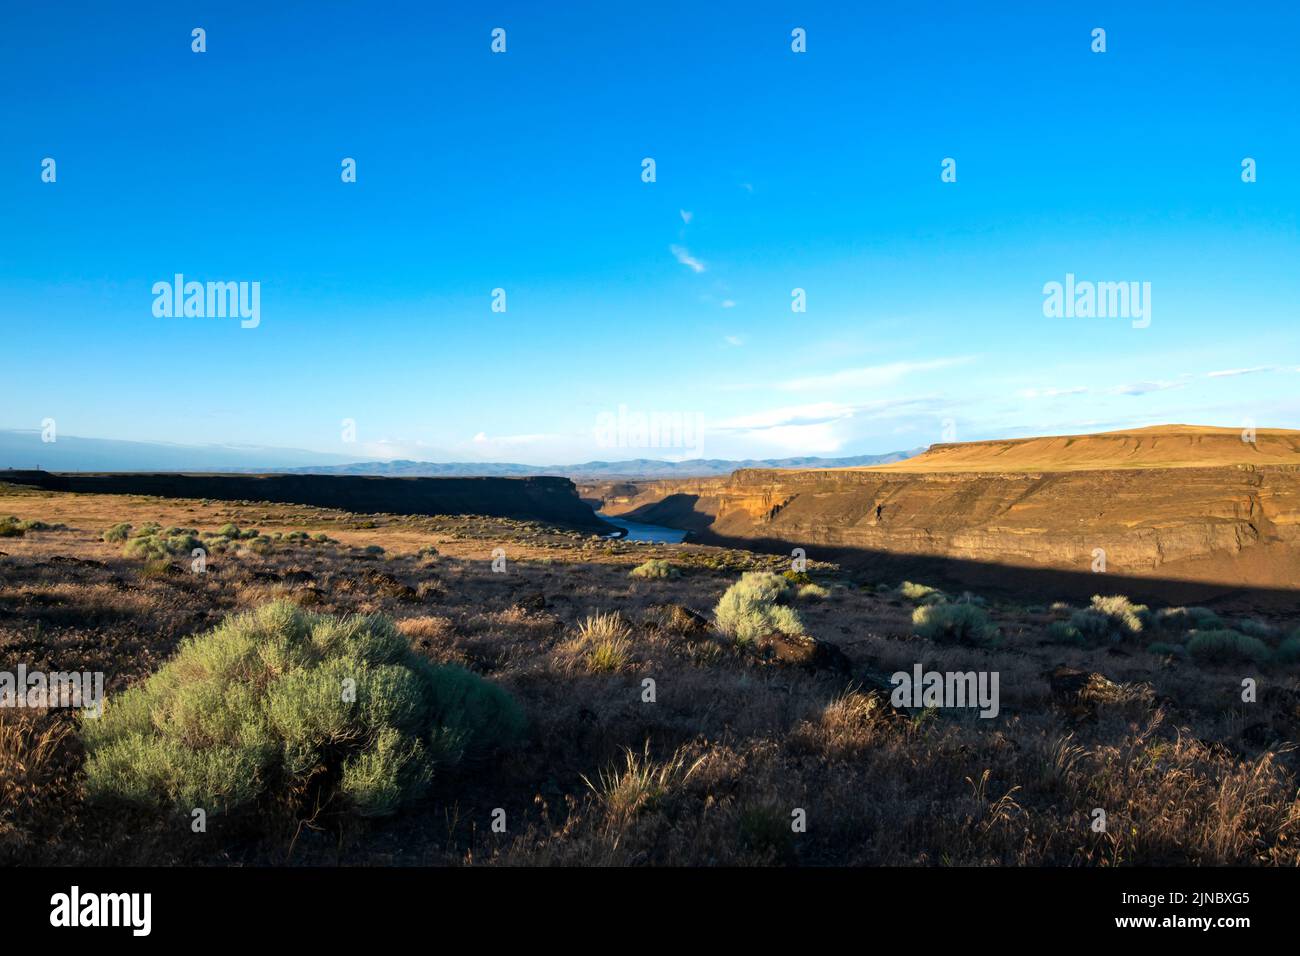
(553, 500)
(1188, 518)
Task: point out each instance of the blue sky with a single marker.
(522, 171)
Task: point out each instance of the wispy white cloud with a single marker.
(1053, 392)
(805, 429)
(728, 303)
(734, 340)
(687, 216)
(817, 413)
(871, 376)
(817, 428)
(683, 255)
(511, 440)
(1229, 372)
(1144, 388)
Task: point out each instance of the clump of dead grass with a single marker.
(37, 777)
(843, 729)
(426, 628)
(602, 643)
(640, 784)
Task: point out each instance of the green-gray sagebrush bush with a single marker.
(757, 606)
(1107, 620)
(278, 703)
(1223, 646)
(654, 568)
(953, 623)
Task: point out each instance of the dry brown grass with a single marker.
(426, 628)
(640, 783)
(38, 777)
(709, 773)
(1179, 799)
(603, 642)
(844, 729)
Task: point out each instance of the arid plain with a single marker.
(668, 704)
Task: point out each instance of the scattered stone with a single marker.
(76, 562)
(1069, 683)
(531, 601)
(430, 592)
(309, 596)
(803, 651)
(1258, 734)
(680, 619)
(876, 681)
(388, 586)
(1079, 693)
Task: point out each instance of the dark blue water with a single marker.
(636, 531)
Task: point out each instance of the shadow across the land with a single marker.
(550, 499)
(1026, 585)
(677, 510)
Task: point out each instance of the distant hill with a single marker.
(632, 468)
(549, 499)
(23, 449)
(1159, 446)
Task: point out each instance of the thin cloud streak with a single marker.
(871, 376)
(683, 255)
(1230, 372)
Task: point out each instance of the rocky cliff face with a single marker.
(1231, 524)
(553, 500)
(1149, 522)
(690, 504)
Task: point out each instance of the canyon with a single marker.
(1212, 509)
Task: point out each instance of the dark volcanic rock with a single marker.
(1258, 734)
(430, 592)
(388, 586)
(553, 500)
(76, 562)
(803, 652)
(1079, 693)
(681, 619)
(531, 601)
(1070, 685)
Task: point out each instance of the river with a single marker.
(636, 531)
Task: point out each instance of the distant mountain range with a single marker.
(23, 449)
(631, 468)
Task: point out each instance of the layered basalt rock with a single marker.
(1189, 517)
(553, 500)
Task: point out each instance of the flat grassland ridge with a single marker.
(1160, 446)
(770, 703)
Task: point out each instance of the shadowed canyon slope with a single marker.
(548, 499)
(1180, 503)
